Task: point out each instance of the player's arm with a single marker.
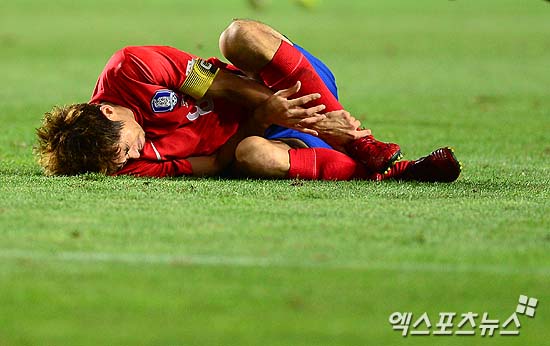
(175, 69)
(156, 169)
(205, 79)
(192, 166)
(199, 166)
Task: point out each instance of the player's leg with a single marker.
(250, 45)
(262, 52)
(263, 158)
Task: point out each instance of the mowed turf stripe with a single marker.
(241, 261)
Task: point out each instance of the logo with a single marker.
(164, 101)
(452, 323)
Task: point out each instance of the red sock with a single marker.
(324, 164)
(287, 67)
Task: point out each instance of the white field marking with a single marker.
(240, 261)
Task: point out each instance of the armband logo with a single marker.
(200, 75)
(208, 66)
(164, 101)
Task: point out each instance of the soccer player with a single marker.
(158, 111)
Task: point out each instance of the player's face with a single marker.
(132, 136)
(131, 142)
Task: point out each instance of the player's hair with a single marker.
(77, 139)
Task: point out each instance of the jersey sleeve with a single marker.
(157, 169)
(133, 73)
(169, 67)
(156, 65)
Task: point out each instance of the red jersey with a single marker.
(147, 80)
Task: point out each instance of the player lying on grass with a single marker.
(158, 111)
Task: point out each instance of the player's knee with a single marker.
(259, 157)
(250, 151)
(233, 39)
(249, 45)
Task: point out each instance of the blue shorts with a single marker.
(279, 132)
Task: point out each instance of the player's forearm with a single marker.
(250, 94)
(265, 106)
(239, 89)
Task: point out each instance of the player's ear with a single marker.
(108, 111)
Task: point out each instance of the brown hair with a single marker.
(77, 139)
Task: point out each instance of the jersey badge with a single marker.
(164, 101)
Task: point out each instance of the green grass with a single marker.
(96, 260)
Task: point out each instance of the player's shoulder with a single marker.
(137, 62)
(130, 60)
(156, 49)
(150, 54)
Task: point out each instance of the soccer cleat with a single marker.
(378, 157)
(440, 166)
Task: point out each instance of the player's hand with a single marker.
(339, 128)
(279, 109)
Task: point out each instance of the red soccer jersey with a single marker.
(147, 80)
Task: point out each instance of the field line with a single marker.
(243, 261)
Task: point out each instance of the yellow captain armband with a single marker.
(200, 75)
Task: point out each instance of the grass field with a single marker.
(94, 260)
